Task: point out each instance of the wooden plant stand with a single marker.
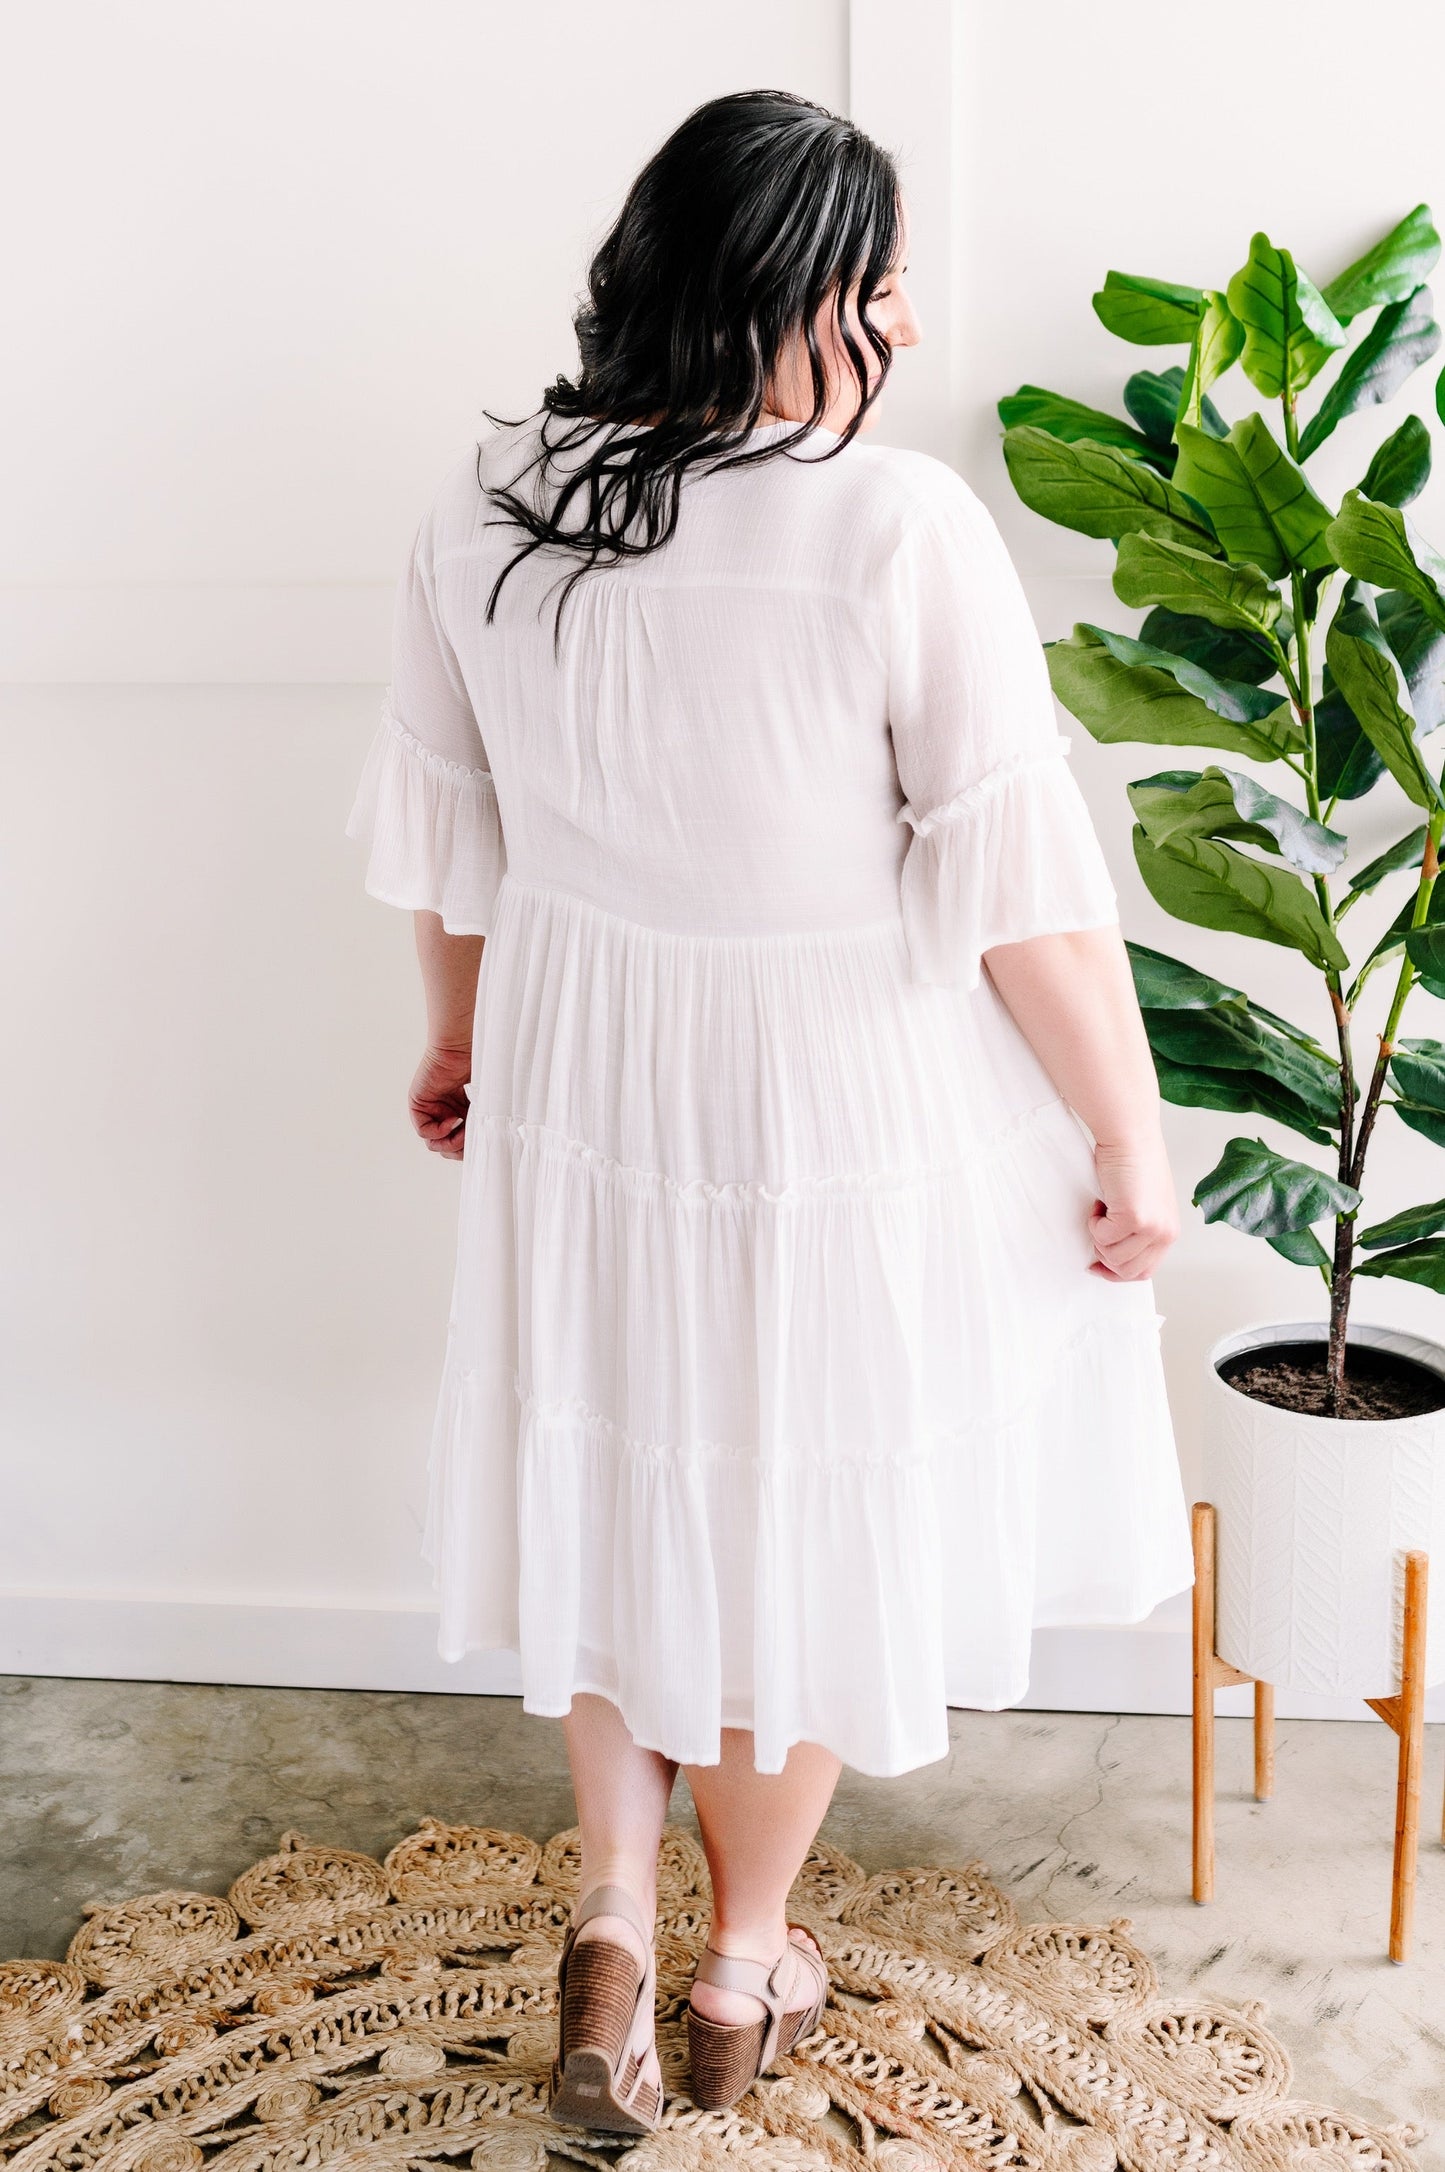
(1405, 1713)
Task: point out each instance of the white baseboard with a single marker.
(1141, 1667)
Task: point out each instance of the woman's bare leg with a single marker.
(622, 1797)
(757, 1828)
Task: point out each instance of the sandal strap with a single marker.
(735, 1972)
(760, 1979)
(612, 1900)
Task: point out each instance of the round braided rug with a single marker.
(337, 2012)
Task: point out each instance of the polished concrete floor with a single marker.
(116, 1788)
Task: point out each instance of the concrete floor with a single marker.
(118, 1788)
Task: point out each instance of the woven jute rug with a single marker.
(336, 2011)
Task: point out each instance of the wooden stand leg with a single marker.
(1203, 1526)
(1263, 1741)
(1211, 1673)
(1406, 1714)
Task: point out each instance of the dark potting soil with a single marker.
(1378, 1383)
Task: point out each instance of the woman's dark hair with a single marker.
(756, 211)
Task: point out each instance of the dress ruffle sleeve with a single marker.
(426, 804)
(1003, 846)
(1012, 855)
(432, 828)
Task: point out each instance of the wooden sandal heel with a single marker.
(607, 2023)
(726, 2058)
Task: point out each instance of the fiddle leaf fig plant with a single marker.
(1308, 640)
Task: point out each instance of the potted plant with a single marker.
(1310, 642)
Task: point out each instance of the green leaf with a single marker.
(1405, 1228)
(1117, 700)
(1402, 337)
(1430, 1123)
(1165, 983)
(1153, 569)
(1263, 510)
(1218, 649)
(1411, 1263)
(1370, 680)
(1230, 1037)
(1388, 272)
(1264, 1194)
(1236, 1093)
(1218, 802)
(1152, 398)
(1148, 312)
(1418, 1069)
(1215, 348)
(1409, 852)
(1380, 544)
(1096, 489)
(1033, 406)
(1217, 345)
(1393, 939)
(1302, 1248)
(1236, 699)
(1425, 949)
(1401, 466)
(1209, 884)
(1290, 331)
(1346, 765)
(1419, 649)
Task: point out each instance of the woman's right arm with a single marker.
(1004, 871)
(1072, 996)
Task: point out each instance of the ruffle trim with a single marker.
(432, 828)
(1090, 1335)
(1013, 855)
(751, 1191)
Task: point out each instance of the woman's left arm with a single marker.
(437, 1097)
(426, 808)
(1072, 996)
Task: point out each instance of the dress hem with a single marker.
(890, 1771)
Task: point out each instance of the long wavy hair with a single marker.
(759, 210)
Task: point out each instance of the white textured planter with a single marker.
(1314, 1515)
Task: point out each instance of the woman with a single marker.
(802, 1353)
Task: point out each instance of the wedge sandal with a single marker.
(728, 2057)
(607, 2025)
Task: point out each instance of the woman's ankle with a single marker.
(607, 1923)
(748, 1941)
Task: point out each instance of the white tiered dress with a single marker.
(777, 1394)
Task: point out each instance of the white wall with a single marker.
(273, 263)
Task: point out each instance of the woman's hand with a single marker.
(438, 1102)
(450, 965)
(1136, 1218)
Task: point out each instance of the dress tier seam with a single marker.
(706, 938)
(572, 1410)
(752, 1190)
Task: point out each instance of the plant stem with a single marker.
(1429, 870)
(1340, 1273)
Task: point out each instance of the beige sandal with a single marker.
(607, 2024)
(728, 2057)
